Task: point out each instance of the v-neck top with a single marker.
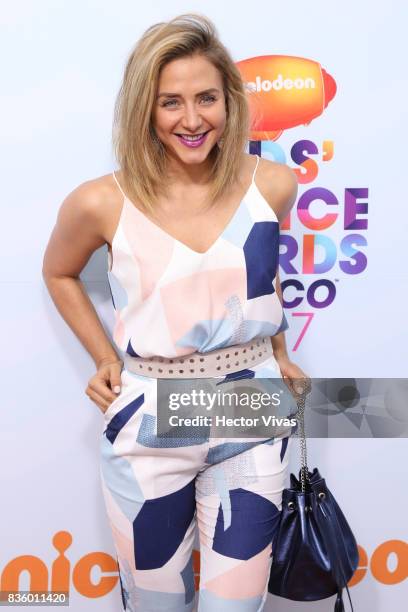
(170, 300)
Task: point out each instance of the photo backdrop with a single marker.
(331, 82)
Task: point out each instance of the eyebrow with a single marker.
(176, 95)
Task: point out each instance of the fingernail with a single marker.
(116, 389)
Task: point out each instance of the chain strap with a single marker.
(300, 415)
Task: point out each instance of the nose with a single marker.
(192, 120)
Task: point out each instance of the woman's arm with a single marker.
(278, 341)
(76, 235)
(279, 183)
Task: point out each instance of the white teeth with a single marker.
(197, 137)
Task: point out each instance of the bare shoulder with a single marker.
(93, 203)
(80, 228)
(279, 186)
(89, 198)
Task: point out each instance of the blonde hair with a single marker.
(141, 156)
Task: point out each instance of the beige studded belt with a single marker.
(203, 365)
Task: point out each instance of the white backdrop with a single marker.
(62, 64)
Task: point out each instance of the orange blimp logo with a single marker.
(283, 92)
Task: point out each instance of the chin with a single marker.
(192, 154)
(195, 159)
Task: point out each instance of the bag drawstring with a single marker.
(339, 605)
(335, 560)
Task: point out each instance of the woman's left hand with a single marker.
(292, 375)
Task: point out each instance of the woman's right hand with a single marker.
(104, 387)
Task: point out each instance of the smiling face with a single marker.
(189, 113)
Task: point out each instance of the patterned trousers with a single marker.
(160, 494)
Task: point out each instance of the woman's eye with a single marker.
(169, 102)
(207, 98)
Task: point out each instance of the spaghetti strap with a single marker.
(117, 182)
(256, 167)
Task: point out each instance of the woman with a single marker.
(192, 227)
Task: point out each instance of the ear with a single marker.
(226, 98)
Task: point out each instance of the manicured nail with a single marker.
(116, 389)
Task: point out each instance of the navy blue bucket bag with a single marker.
(314, 550)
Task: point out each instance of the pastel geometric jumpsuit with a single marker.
(172, 301)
